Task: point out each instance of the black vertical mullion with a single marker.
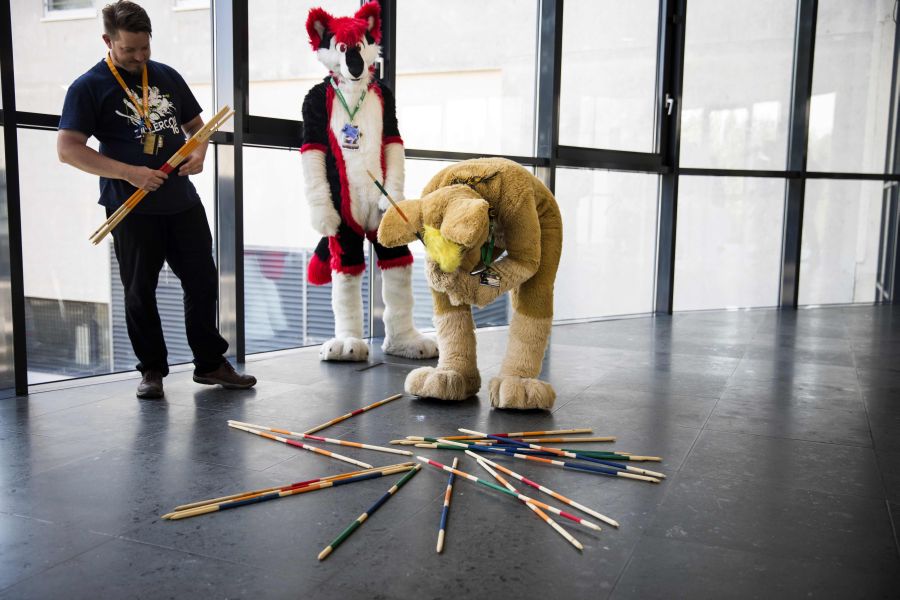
(389, 77)
(13, 200)
(231, 79)
(674, 15)
(798, 136)
(389, 42)
(549, 67)
(887, 274)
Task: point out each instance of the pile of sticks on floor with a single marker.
(523, 445)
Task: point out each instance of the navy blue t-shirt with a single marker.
(96, 105)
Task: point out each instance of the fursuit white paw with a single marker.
(510, 391)
(443, 384)
(344, 349)
(414, 345)
(324, 219)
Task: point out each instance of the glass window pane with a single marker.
(841, 229)
(851, 86)
(609, 243)
(50, 55)
(475, 95)
(74, 303)
(418, 174)
(283, 66)
(738, 61)
(609, 74)
(728, 242)
(67, 280)
(7, 373)
(281, 309)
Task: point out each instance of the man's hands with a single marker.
(144, 178)
(150, 179)
(193, 164)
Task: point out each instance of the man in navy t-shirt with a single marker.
(139, 110)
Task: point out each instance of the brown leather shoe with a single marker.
(227, 377)
(151, 386)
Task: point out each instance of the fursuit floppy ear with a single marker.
(394, 231)
(317, 23)
(466, 221)
(370, 12)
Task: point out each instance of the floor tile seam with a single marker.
(894, 526)
(109, 539)
(798, 488)
(772, 551)
(666, 491)
(759, 435)
(796, 439)
(70, 407)
(201, 462)
(849, 411)
(68, 462)
(881, 478)
(686, 456)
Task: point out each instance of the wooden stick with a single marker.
(362, 518)
(610, 455)
(324, 439)
(353, 413)
(281, 487)
(514, 434)
(547, 491)
(576, 455)
(531, 506)
(170, 165)
(211, 508)
(446, 510)
(494, 486)
(297, 444)
(563, 464)
(388, 196)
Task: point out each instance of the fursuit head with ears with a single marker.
(489, 227)
(350, 130)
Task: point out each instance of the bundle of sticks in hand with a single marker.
(170, 165)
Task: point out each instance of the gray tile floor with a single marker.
(780, 433)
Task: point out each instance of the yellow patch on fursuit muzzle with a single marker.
(445, 253)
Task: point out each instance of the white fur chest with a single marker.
(369, 118)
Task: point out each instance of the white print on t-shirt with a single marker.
(162, 112)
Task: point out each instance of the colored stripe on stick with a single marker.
(575, 455)
(326, 440)
(548, 491)
(203, 510)
(362, 518)
(556, 526)
(494, 486)
(358, 411)
(297, 444)
(446, 510)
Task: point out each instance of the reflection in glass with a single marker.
(728, 242)
(51, 54)
(282, 310)
(74, 303)
(475, 95)
(609, 74)
(839, 253)
(7, 366)
(738, 62)
(283, 66)
(851, 86)
(418, 174)
(609, 243)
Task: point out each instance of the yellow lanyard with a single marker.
(143, 111)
